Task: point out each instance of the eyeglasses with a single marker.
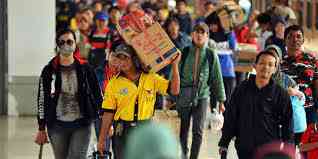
(68, 42)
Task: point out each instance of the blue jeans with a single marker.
(98, 125)
(71, 141)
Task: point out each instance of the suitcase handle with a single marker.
(107, 155)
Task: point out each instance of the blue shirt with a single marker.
(224, 50)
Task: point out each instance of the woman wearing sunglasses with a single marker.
(68, 101)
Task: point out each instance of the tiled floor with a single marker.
(17, 135)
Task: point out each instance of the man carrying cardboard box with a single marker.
(130, 97)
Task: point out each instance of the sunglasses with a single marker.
(68, 42)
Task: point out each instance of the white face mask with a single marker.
(66, 50)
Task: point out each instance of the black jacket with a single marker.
(253, 116)
(89, 94)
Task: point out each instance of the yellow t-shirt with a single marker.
(121, 94)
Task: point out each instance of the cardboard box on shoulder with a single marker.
(153, 46)
(247, 51)
(230, 14)
(246, 57)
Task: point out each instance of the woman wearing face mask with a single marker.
(68, 101)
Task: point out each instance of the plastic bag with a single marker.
(299, 114)
(217, 120)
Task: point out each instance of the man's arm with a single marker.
(216, 83)
(104, 131)
(109, 107)
(175, 80)
(286, 118)
(107, 120)
(230, 120)
(43, 96)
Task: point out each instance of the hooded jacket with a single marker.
(50, 82)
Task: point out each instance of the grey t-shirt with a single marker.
(68, 107)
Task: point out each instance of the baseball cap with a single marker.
(124, 49)
(101, 16)
(201, 26)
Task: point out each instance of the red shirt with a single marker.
(310, 136)
(303, 69)
(101, 39)
(242, 36)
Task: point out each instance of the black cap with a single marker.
(124, 49)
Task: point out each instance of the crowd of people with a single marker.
(96, 78)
